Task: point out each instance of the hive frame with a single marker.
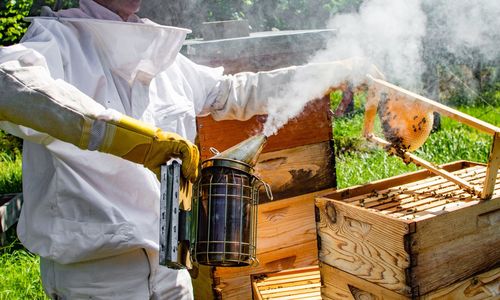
(486, 191)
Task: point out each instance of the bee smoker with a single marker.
(221, 229)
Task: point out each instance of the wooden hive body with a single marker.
(298, 163)
(411, 234)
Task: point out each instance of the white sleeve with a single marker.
(38, 48)
(34, 98)
(244, 95)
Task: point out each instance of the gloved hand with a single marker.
(150, 146)
(67, 114)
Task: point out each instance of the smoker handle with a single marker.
(267, 187)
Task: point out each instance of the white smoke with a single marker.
(401, 38)
(464, 26)
(388, 32)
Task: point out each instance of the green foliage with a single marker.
(10, 164)
(20, 275)
(358, 161)
(288, 14)
(12, 26)
(10, 173)
(9, 144)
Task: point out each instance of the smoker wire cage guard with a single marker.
(226, 200)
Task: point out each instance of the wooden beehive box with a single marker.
(302, 283)
(298, 163)
(411, 234)
(339, 285)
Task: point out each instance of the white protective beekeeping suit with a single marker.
(91, 216)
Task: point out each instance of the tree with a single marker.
(12, 25)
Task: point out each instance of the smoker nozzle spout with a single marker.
(247, 151)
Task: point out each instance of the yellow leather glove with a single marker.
(141, 143)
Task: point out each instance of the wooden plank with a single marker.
(441, 172)
(455, 245)
(493, 165)
(265, 285)
(286, 223)
(339, 285)
(286, 239)
(312, 126)
(10, 210)
(297, 171)
(364, 243)
(376, 198)
(480, 287)
(431, 193)
(442, 109)
(290, 284)
(235, 283)
(255, 291)
(444, 193)
(382, 184)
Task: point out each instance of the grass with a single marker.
(10, 173)
(19, 275)
(357, 161)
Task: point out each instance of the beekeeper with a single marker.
(99, 78)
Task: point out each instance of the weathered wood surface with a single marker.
(297, 171)
(440, 108)
(286, 223)
(432, 232)
(302, 283)
(480, 287)
(363, 243)
(312, 126)
(339, 285)
(286, 239)
(493, 166)
(10, 209)
(382, 184)
(486, 191)
(235, 283)
(455, 245)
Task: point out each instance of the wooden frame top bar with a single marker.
(379, 85)
(442, 109)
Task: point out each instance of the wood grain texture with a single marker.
(235, 283)
(312, 126)
(297, 171)
(452, 236)
(441, 108)
(339, 285)
(364, 243)
(493, 166)
(456, 245)
(286, 239)
(286, 223)
(348, 193)
(302, 283)
(479, 287)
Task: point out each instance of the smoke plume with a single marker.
(404, 39)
